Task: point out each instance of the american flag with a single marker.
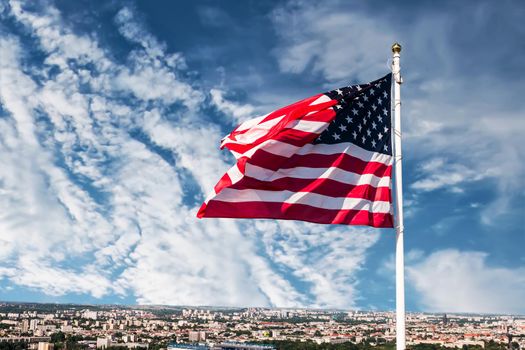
(325, 159)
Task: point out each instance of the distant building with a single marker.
(136, 345)
(128, 338)
(104, 343)
(222, 346)
(24, 339)
(92, 315)
(45, 346)
(66, 328)
(24, 326)
(445, 319)
(242, 346)
(197, 336)
(181, 346)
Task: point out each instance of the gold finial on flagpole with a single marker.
(396, 48)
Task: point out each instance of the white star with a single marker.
(385, 94)
(368, 132)
(374, 107)
(358, 87)
(386, 129)
(354, 111)
(379, 136)
(385, 112)
(360, 104)
(339, 91)
(354, 134)
(379, 117)
(364, 121)
(369, 114)
(363, 138)
(385, 147)
(342, 127)
(373, 143)
(372, 91)
(338, 106)
(348, 119)
(380, 101)
(365, 97)
(336, 136)
(360, 127)
(374, 125)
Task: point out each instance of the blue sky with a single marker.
(111, 115)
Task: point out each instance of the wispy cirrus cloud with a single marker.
(105, 162)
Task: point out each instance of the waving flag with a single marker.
(325, 159)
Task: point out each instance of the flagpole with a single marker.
(400, 263)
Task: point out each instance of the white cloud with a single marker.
(327, 259)
(89, 207)
(463, 281)
(439, 174)
(236, 111)
(474, 122)
(338, 45)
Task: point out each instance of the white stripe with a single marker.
(348, 148)
(321, 99)
(235, 174)
(253, 134)
(287, 150)
(254, 121)
(250, 123)
(332, 173)
(307, 198)
(308, 126)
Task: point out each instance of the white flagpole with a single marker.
(400, 260)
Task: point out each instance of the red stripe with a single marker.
(285, 211)
(342, 161)
(327, 187)
(225, 181)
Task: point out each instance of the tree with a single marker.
(58, 337)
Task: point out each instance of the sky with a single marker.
(111, 114)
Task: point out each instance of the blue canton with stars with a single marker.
(362, 116)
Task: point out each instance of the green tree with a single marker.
(58, 337)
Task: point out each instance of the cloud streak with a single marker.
(104, 165)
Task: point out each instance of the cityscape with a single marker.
(72, 327)
(262, 175)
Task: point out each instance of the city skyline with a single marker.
(111, 116)
(75, 326)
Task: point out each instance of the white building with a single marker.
(45, 346)
(197, 336)
(103, 343)
(90, 314)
